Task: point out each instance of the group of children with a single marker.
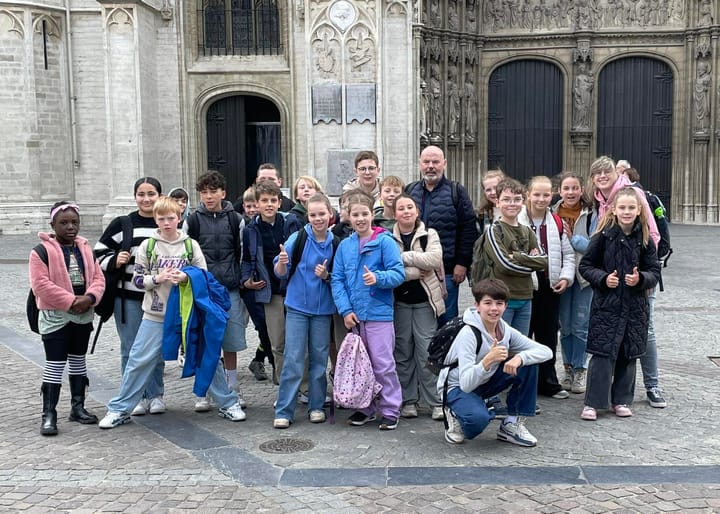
(384, 279)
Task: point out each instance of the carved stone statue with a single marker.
(424, 111)
(470, 111)
(436, 102)
(701, 95)
(705, 13)
(582, 98)
(453, 96)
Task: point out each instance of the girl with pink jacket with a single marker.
(67, 283)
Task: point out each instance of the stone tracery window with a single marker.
(239, 27)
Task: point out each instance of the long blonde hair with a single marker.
(486, 206)
(609, 219)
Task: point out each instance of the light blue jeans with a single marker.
(451, 302)
(145, 353)
(519, 317)
(574, 318)
(305, 334)
(649, 361)
(128, 332)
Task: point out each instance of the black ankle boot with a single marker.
(78, 384)
(50, 394)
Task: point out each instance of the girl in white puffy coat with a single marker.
(552, 282)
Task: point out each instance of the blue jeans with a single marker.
(574, 318)
(471, 411)
(451, 302)
(145, 353)
(649, 361)
(519, 317)
(128, 332)
(305, 334)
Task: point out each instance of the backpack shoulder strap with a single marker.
(188, 250)
(454, 193)
(297, 251)
(127, 232)
(192, 225)
(423, 241)
(151, 256)
(559, 223)
(235, 223)
(41, 251)
(478, 338)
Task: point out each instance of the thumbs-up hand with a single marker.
(321, 270)
(612, 280)
(633, 278)
(283, 256)
(369, 277)
(497, 353)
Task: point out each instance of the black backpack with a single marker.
(442, 341)
(300, 247)
(31, 308)
(664, 250)
(106, 306)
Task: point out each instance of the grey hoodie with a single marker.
(470, 372)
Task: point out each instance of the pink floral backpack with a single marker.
(354, 384)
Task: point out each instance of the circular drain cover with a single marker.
(287, 445)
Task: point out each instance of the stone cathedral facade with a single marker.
(95, 94)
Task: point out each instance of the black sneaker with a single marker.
(499, 411)
(388, 424)
(358, 419)
(655, 398)
(258, 369)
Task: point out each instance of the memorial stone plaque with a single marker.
(326, 103)
(340, 169)
(360, 103)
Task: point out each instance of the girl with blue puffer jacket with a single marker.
(367, 268)
(310, 308)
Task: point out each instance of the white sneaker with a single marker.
(437, 414)
(562, 394)
(303, 398)
(233, 413)
(181, 360)
(516, 433)
(202, 405)
(114, 419)
(453, 433)
(241, 400)
(317, 416)
(157, 405)
(409, 410)
(141, 408)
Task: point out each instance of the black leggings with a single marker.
(71, 339)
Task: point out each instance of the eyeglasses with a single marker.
(517, 199)
(604, 172)
(369, 169)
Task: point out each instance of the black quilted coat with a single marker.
(619, 317)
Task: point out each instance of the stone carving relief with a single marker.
(453, 98)
(342, 14)
(471, 16)
(539, 15)
(326, 51)
(436, 103)
(453, 20)
(425, 110)
(361, 49)
(120, 19)
(705, 17)
(470, 110)
(582, 97)
(434, 18)
(701, 96)
(11, 25)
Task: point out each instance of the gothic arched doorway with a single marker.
(635, 111)
(525, 114)
(243, 132)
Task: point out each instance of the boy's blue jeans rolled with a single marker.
(471, 411)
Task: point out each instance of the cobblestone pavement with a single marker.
(658, 460)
